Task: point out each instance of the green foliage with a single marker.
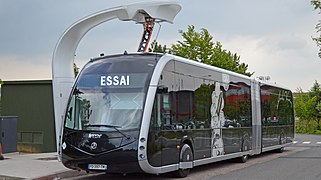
(199, 46)
(196, 46)
(156, 47)
(317, 6)
(315, 94)
(308, 110)
(307, 127)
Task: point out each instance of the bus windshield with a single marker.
(109, 95)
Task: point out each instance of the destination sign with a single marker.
(114, 80)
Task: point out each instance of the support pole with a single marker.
(63, 56)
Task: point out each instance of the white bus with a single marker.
(157, 113)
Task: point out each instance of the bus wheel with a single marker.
(186, 160)
(181, 173)
(245, 147)
(244, 158)
(280, 150)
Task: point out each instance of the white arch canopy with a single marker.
(63, 56)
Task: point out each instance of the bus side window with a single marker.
(166, 112)
(156, 121)
(164, 109)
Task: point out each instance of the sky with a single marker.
(273, 37)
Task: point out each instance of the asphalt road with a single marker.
(301, 161)
(301, 165)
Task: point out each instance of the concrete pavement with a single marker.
(34, 166)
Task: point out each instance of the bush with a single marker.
(307, 127)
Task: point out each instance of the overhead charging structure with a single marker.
(146, 13)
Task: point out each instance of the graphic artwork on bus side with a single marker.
(217, 120)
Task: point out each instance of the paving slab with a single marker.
(33, 166)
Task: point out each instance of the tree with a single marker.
(308, 109)
(315, 95)
(156, 47)
(199, 46)
(318, 114)
(317, 6)
(304, 106)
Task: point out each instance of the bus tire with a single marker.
(244, 158)
(182, 173)
(280, 150)
(186, 155)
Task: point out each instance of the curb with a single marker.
(62, 175)
(9, 178)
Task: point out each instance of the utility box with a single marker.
(8, 133)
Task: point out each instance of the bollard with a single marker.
(1, 157)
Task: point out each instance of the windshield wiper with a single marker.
(109, 126)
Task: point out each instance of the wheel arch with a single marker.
(188, 141)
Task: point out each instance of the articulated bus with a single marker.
(157, 113)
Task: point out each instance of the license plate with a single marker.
(97, 166)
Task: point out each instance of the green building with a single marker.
(32, 102)
(0, 100)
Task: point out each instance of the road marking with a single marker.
(306, 142)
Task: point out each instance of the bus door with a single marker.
(168, 133)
